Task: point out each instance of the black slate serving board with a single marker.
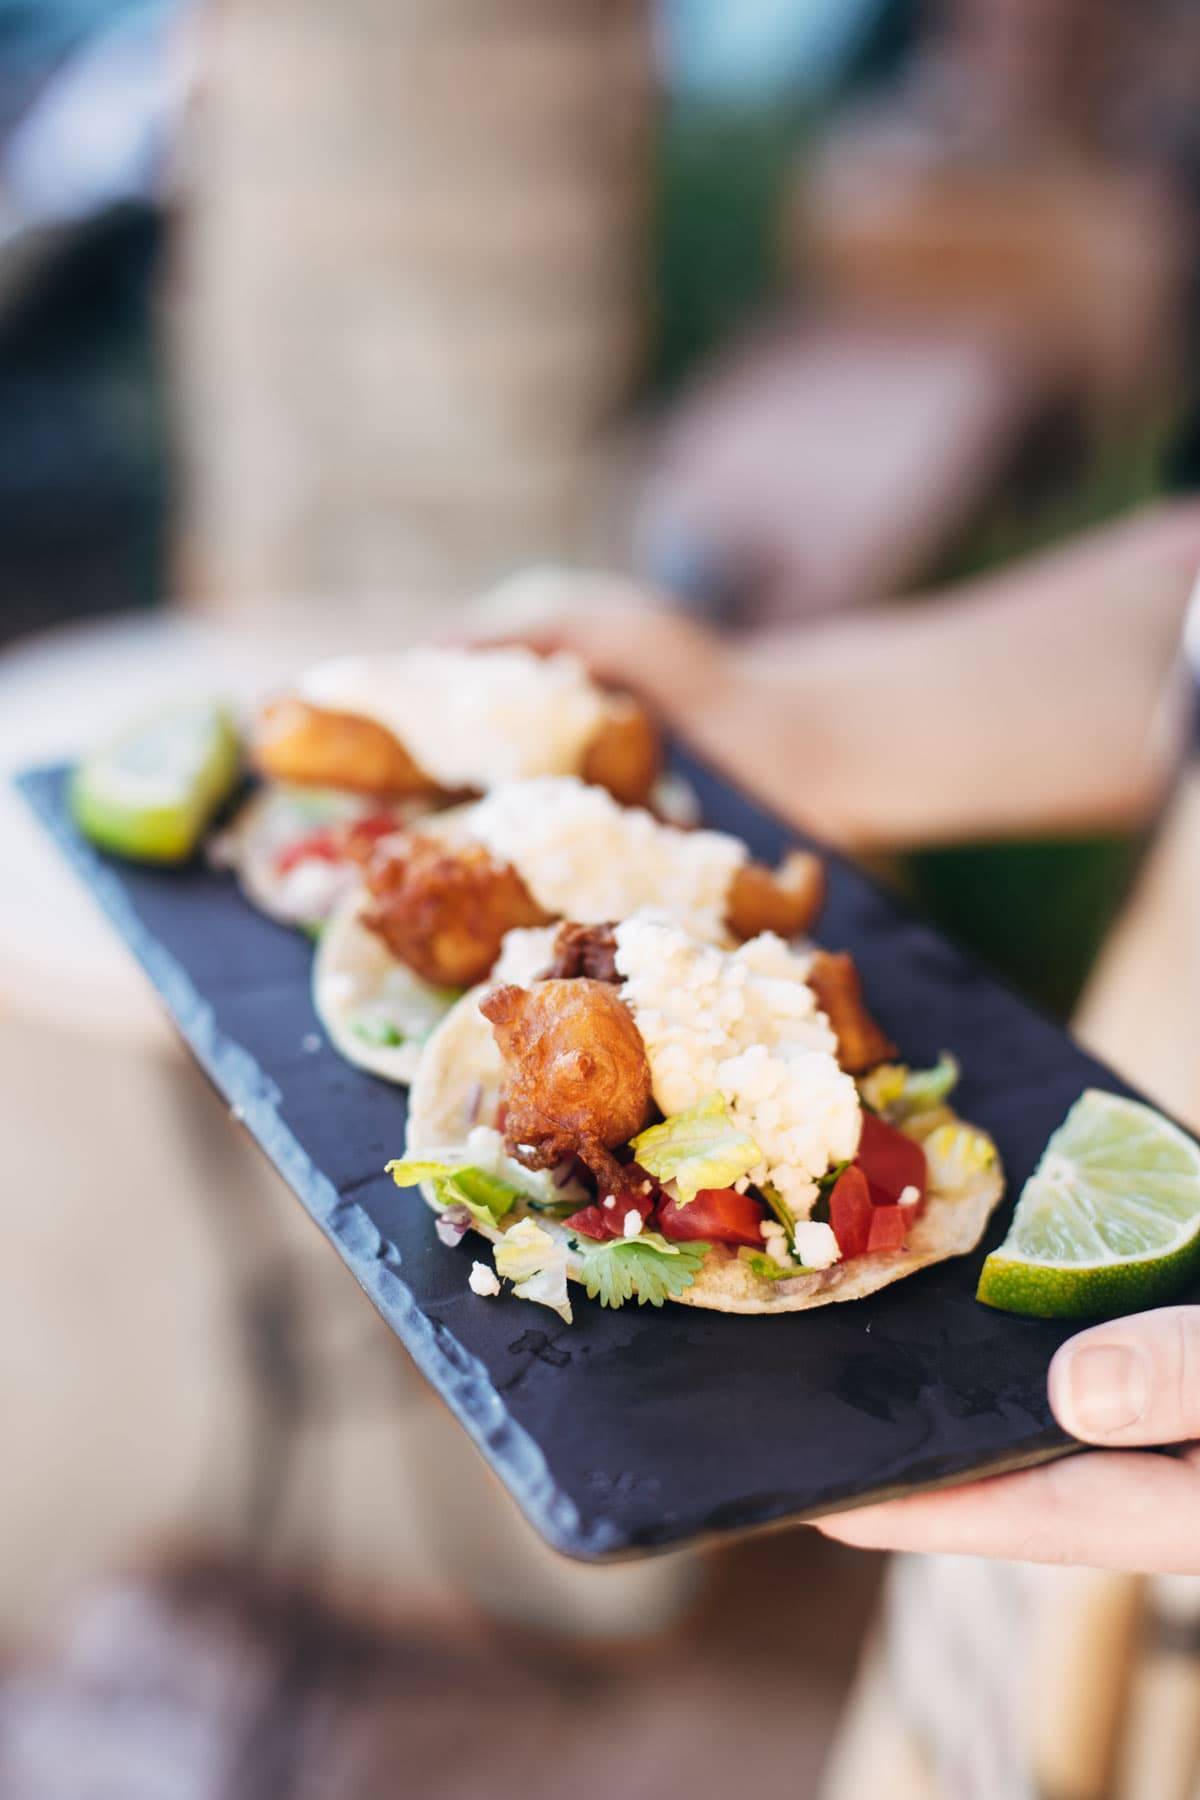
(638, 1429)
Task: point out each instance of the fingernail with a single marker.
(1102, 1390)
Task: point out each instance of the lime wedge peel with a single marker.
(1109, 1221)
(150, 792)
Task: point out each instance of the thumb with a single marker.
(1135, 1381)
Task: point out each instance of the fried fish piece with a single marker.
(625, 756)
(444, 910)
(786, 900)
(297, 742)
(835, 981)
(577, 1082)
(309, 745)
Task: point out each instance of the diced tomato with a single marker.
(335, 843)
(850, 1211)
(889, 1160)
(318, 846)
(596, 1221)
(363, 833)
(600, 1221)
(889, 1227)
(717, 1215)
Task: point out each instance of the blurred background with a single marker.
(843, 325)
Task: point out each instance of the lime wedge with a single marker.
(150, 793)
(1109, 1221)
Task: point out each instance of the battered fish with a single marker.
(577, 1081)
(862, 1042)
(442, 911)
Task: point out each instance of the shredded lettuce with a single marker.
(410, 1171)
(899, 1093)
(699, 1148)
(536, 1264)
(645, 1267)
(555, 1209)
(486, 1196)
(953, 1153)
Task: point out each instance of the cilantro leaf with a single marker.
(381, 1034)
(774, 1200)
(645, 1267)
(768, 1269)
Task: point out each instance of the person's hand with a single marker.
(971, 714)
(1131, 1383)
(627, 634)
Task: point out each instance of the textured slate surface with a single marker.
(640, 1428)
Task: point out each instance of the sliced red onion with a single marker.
(474, 1102)
(452, 1225)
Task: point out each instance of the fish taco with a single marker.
(375, 742)
(663, 1118)
(435, 903)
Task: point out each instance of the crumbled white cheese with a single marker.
(584, 857)
(632, 1224)
(469, 718)
(816, 1245)
(610, 1200)
(482, 1279)
(909, 1196)
(744, 1023)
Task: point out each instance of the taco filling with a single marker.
(444, 895)
(436, 723)
(733, 1120)
(437, 902)
(297, 851)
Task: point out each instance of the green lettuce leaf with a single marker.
(898, 1092)
(645, 1267)
(536, 1264)
(954, 1153)
(486, 1197)
(699, 1148)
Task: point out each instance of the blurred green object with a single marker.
(721, 174)
(1068, 483)
(1036, 911)
(149, 794)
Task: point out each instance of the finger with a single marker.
(551, 604)
(647, 649)
(1135, 1381)
(1101, 1510)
